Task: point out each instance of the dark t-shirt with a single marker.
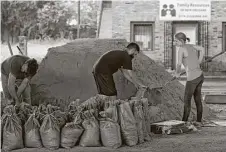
(13, 65)
(111, 61)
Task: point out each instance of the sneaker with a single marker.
(198, 124)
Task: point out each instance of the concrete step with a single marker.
(215, 98)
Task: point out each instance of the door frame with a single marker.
(224, 36)
(174, 30)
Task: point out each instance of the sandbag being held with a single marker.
(50, 131)
(91, 135)
(128, 124)
(12, 130)
(32, 137)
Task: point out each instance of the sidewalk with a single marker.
(215, 85)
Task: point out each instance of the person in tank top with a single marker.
(188, 56)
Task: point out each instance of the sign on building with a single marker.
(176, 10)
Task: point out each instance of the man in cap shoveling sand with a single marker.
(111, 62)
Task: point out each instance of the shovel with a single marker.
(140, 93)
(182, 73)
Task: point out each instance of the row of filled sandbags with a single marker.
(92, 123)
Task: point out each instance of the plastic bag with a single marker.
(91, 135)
(32, 134)
(50, 131)
(12, 130)
(128, 124)
(110, 133)
(70, 134)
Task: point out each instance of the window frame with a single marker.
(151, 23)
(107, 4)
(224, 36)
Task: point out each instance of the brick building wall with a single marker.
(125, 12)
(218, 16)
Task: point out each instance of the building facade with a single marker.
(138, 21)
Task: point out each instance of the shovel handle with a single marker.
(208, 60)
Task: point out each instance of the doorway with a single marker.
(190, 29)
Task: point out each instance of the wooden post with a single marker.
(23, 45)
(10, 48)
(78, 29)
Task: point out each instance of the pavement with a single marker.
(211, 85)
(206, 139)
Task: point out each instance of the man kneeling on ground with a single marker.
(109, 63)
(16, 73)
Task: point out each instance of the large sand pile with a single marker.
(66, 74)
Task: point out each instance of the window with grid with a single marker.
(142, 34)
(224, 36)
(107, 4)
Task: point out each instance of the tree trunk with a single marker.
(8, 42)
(78, 29)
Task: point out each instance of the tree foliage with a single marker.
(44, 19)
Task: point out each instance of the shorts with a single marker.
(26, 93)
(105, 84)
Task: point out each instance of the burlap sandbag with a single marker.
(73, 109)
(147, 123)
(41, 112)
(139, 117)
(50, 131)
(32, 136)
(70, 134)
(110, 108)
(23, 112)
(61, 117)
(128, 124)
(110, 133)
(92, 103)
(91, 135)
(12, 130)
